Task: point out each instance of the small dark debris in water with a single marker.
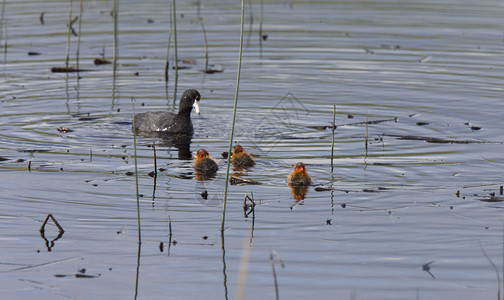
(161, 169)
(264, 37)
(205, 237)
(35, 150)
(88, 118)
(94, 184)
(101, 61)
(33, 53)
(457, 193)
(180, 67)
(3, 158)
(492, 199)
(451, 206)
(118, 110)
(235, 180)
(349, 116)
(136, 73)
(78, 275)
(475, 128)
(174, 242)
(389, 212)
(322, 189)
(486, 227)
(343, 205)
(225, 154)
(212, 71)
(129, 173)
(501, 190)
(20, 160)
(152, 173)
(188, 61)
(413, 115)
(66, 70)
(63, 129)
(426, 267)
(41, 18)
(204, 194)
(140, 195)
(123, 157)
(369, 191)
(161, 246)
(150, 21)
(83, 270)
(328, 222)
(381, 188)
(61, 169)
(422, 123)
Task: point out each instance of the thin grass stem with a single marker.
(115, 43)
(167, 63)
(136, 175)
(174, 14)
(79, 35)
(234, 117)
(332, 144)
(68, 34)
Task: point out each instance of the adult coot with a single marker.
(166, 122)
(299, 176)
(241, 159)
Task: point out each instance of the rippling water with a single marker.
(431, 71)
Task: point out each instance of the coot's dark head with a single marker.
(189, 100)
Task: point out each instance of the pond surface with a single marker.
(427, 75)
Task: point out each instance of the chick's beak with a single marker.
(196, 107)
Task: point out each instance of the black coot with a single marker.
(166, 122)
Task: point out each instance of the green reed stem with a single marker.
(114, 61)
(176, 56)
(234, 117)
(136, 175)
(332, 144)
(68, 34)
(78, 37)
(167, 63)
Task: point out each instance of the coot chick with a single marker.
(204, 164)
(299, 176)
(162, 122)
(240, 158)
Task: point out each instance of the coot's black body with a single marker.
(160, 122)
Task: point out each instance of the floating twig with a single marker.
(249, 208)
(50, 216)
(68, 35)
(438, 140)
(235, 180)
(323, 127)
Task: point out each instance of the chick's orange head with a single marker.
(202, 153)
(238, 149)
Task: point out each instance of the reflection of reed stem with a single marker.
(234, 117)
(176, 57)
(68, 35)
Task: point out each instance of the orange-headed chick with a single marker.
(299, 176)
(241, 159)
(204, 163)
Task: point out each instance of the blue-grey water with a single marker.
(431, 70)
